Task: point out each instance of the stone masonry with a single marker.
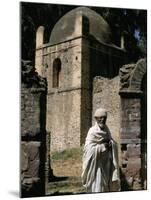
(33, 95)
(80, 69)
(105, 95)
(70, 61)
(133, 133)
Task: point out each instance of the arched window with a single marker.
(56, 73)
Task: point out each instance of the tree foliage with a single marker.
(130, 23)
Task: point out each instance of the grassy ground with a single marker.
(67, 168)
(67, 162)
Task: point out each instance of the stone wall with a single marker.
(131, 143)
(30, 113)
(105, 95)
(33, 144)
(64, 101)
(133, 131)
(69, 54)
(67, 104)
(64, 120)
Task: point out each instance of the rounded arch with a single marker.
(138, 74)
(56, 73)
(40, 36)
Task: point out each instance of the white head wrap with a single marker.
(101, 112)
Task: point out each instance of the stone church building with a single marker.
(81, 65)
(85, 70)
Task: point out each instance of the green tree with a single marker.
(128, 23)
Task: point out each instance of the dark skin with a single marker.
(101, 121)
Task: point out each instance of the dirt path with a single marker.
(70, 167)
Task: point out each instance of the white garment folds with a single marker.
(100, 162)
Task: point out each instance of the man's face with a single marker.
(101, 121)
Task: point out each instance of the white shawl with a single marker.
(100, 164)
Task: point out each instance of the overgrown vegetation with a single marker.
(74, 153)
(30, 77)
(130, 23)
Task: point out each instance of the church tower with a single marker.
(80, 48)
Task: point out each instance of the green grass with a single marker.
(74, 153)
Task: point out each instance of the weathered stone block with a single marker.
(33, 150)
(24, 158)
(30, 159)
(31, 111)
(34, 167)
(133, 150)
(134, 166)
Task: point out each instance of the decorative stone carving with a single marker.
(125, 74)
(131, 76)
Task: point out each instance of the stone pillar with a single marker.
(39, 50)
(33, 133)
(39, 36)
(86, 90)
(32, 143)
(132, 91)
(130, 143)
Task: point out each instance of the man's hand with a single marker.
(110, 143)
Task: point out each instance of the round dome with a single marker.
(71, 25)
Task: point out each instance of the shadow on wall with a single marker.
(43, 140)
(34, 191)
(124, 183)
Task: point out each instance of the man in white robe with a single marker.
(100, 158)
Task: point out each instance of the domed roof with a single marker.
(70, 26)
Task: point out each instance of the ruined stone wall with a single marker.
(133, 131)
(33, 115)
(131, 142)
(105, 94)
(32, 164)
(30, 113)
